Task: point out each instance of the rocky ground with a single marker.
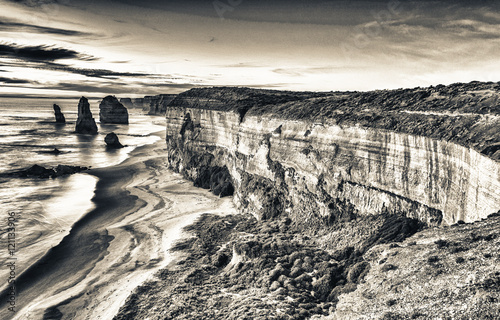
(439, 273)
(235, 267)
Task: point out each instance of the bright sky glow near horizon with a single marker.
(69, 48)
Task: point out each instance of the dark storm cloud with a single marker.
(94, 73)
(16, 26)
(40, 53)
(103, 74)
(13, 81)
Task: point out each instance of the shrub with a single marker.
(388, 267)
(358, 271)
(442, 243)
(433, 259)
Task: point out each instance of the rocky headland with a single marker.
(112, 111)
(58, 114)
(85, 122)
(354, 205)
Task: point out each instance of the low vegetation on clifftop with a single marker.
(464, 113)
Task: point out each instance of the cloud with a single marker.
(40, 53)
(116, 88)
(94, 73)
(24, 27)
(242, 65)
(38, 3)
(297, 72)
(13, 81)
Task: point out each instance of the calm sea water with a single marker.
(45, 209)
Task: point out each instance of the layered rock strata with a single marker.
(303, 155)
(85, 122)
(58, 114)
(112, 111)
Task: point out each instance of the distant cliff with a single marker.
(153, 105)
(157, 104)
(426, 153)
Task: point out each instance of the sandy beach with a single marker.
(140, 210)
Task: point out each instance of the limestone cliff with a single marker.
(112, 111)
(157, 104)
(321, 157)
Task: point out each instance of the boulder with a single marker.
(85, 122)
(112, 111)
(59, 115)
(112, 141)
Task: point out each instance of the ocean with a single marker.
(45, 209)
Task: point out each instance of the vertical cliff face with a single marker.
(322, 172)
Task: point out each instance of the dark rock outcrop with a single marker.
(85, 122)
(43, 173)
(59, 115)
(112, 141)
(112, 111)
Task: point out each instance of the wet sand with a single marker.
(140, 210)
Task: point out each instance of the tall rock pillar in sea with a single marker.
(85, 122)
(112, 111)
(59, 115)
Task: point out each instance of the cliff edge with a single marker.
(424, 153)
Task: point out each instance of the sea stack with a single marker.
(85, 123)
(112, 141)
(112, 111)
(59, 115)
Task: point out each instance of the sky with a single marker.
(69, 48)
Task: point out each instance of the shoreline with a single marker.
(81, 275)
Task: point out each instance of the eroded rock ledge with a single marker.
(319, 157)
